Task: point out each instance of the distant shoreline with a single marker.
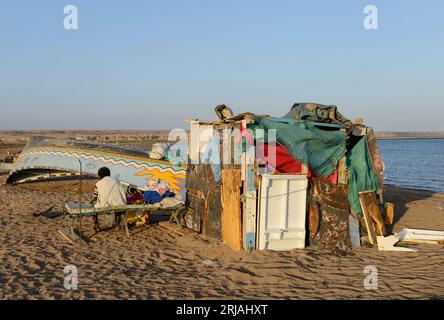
(409, 138)
(9, 138)
(409, 135)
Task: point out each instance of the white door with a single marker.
(282, 212)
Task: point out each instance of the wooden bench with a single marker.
(75, 212)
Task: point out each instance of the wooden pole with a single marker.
(80, 204)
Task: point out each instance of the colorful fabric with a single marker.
(320, 149)
(285, 163)
(133, 198)
(160, 186)
(152, 197)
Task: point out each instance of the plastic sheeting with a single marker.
(362, 175)
(319, 149)
(318, 112)
(285, 163)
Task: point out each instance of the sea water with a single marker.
(416, 164)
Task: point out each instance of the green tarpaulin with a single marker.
(319, 149)
(362, 175)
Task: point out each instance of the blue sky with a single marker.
(151, 64)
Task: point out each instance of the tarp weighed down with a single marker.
(318, 112)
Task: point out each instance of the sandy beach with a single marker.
(159, 264)
(221, 150)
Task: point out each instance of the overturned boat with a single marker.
(47, 158)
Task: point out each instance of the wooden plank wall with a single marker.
(231, 208)
(203, 200)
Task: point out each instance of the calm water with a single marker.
(417, 164)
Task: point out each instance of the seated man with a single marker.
(108, 193)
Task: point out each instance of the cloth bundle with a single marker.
(158, 151)
(156, 191)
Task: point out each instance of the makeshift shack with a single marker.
(261, 182)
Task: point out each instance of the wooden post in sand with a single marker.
(80, 203)
(390, 213)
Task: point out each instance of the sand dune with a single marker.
(158, 264)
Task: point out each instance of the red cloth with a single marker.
(133, 198)
(285, 163)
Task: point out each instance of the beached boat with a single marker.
(46, 158)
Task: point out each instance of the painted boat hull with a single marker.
(50, 158)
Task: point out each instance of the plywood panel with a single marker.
(372, 215)
(231, 208)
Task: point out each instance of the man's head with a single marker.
(103, 172)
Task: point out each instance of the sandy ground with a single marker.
(158, 264)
